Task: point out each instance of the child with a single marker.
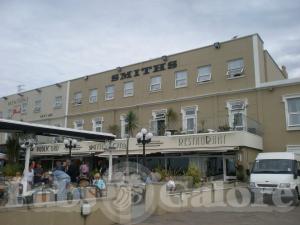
(99, 184)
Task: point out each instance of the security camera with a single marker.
(217, 45)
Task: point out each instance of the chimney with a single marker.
(284, 72)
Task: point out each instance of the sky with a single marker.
(43, 42)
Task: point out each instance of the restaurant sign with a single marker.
(84, 147)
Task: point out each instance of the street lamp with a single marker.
(70, 143)
(144, 137)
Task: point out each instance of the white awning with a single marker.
(166, 151)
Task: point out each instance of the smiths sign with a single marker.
(144, 71)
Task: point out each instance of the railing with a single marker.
(237, 122)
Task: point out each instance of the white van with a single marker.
(275, 172)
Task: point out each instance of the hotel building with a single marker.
(215, 106)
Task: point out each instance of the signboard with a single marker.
(144, 71)
(193, 142)
(84, 147)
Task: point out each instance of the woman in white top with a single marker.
(29, 175)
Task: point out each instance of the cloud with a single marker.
(44, 42)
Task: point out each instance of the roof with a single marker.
(278, 83)
(276, 155)
(46, 130)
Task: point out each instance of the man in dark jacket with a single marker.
(73, 172)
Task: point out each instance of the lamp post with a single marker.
(144, 137)
(69, 144)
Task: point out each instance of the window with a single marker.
(235, 68)
(97, 124)
(180, 79)
(24, 107)
(37, 106)
(204, 74)
(93, 96)
(237, 114)
(1, 115)
(78, 98)
(109, 92)
(155, 83)
(124, 126)
(78, 124)
(58, 102)
(293, 148)
(292, 112)
(128, 89)
(9, 114)
(189, 119)
(158, 122)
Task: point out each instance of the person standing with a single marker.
(29, 176)
(84, 169)
(61, 180)
(38, 173)
(73, 172)
(59, 166)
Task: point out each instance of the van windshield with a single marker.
(276, 166)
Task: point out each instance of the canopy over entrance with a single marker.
(9, 126)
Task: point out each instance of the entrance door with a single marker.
(229, 167)
(161, 127)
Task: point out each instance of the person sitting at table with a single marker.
(99, 183)
(171, 186)
(38, 173)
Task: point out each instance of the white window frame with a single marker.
(235, 72)
(186, 117)
(97, 125)
(155, 118)
(109, 95)
(24, 109)
(128, 91)
(287, 114)
(57, 103)
(78, 98)
(123, 126)
(204, 75)
(179, 79)
(232, 112)
(293, 148)
(37, 106)
(155, 84)
(93, 97)
(75, 123)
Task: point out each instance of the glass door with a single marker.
(229, 167)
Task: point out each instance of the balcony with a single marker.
(234, 122)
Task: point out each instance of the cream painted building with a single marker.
(232, 90)
(45, 105)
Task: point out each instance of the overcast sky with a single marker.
(47, 41)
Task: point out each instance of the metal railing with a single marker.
(211, 124)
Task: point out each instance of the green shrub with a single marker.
(194, 172)
(11, 169)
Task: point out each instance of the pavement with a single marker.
(271, 215)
